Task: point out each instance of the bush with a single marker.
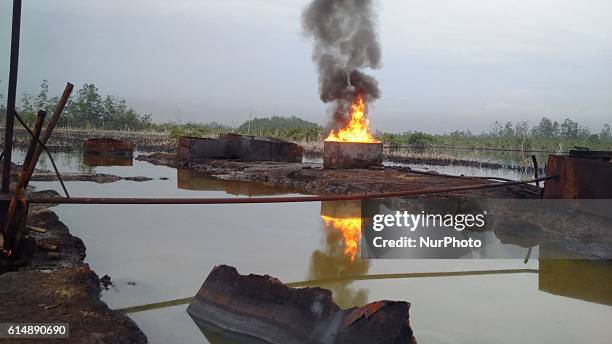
(420, 139)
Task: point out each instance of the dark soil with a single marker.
(57, 286)
(101, 178)
(313, 179)
(49, 283)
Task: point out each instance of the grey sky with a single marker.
(447, 64)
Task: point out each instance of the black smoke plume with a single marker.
(345, 41)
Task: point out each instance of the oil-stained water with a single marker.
(158, 253)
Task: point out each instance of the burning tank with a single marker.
(353, 146)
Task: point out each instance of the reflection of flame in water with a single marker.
(358, 127)
(351, 232)
(338, 257)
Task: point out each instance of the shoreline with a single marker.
(51, 283)
(311, 178)
(69, 140)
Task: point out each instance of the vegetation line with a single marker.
(88, 109)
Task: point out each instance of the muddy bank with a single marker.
(49, 176)
(55, 285)
(50, 283)
(313, 179)
(100, 178)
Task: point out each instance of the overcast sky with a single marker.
(447, 64)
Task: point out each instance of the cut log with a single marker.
(261, 309)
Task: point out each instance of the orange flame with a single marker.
(351, 233)
(358, 127)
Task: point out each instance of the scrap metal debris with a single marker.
(261, 308)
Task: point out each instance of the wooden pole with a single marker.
(10, 101)
(16, 215)
(535, 168)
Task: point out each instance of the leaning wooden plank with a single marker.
(50, 126)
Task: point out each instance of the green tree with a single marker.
(88, 105)
(546, 128)
(86, 109)
(109, 108)
(521, 129)
(498, 129)
(508, 130)
(569, 129)
(42, 100)
(420, 139)
(26, 112)
(605, 133)
(275, 124)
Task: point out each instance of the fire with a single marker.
(351, 233)
(357, 129)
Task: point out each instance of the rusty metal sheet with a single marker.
(234, 146)
(262, 307)
(579, 178)
(365, 311)
(352, 154)
(586, 153)
(107, 145)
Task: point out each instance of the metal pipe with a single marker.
(133, 200)
(470, 148)
(10, 101)
(410, 170)
(310, 283)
